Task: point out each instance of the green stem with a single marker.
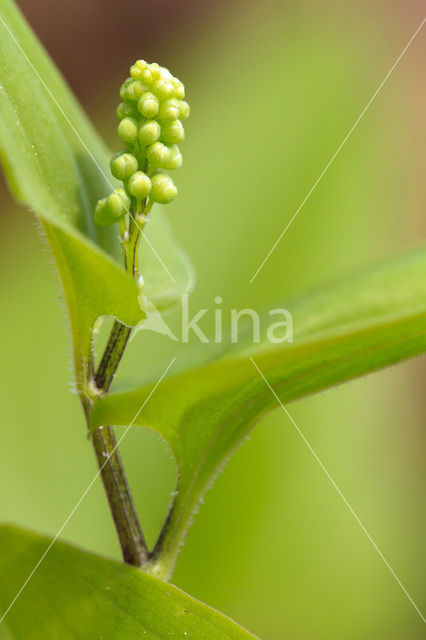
(162, 559)
(132, 542)
(112, 355)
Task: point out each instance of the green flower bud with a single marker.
(179, 88)
(139, 185)
(184, 110)
(151, 115)
(135, 90)
(124, 87)
(109, 210)
(128, 130)
(180, 92)
(176, 159)
(156, 70)
(158, 154)
(146, 76)
(169, 110)
(126, 110)
(122, 194)
(137, 69)
(163, 89)
(163, 189)
(115, 207)
(148, 105)
(123, 165)
(149, 132)
(172, 132)
(99, 213)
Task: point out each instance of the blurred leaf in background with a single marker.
(274, 89)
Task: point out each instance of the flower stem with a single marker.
(112, 355)
(132, 542)
(122, 507)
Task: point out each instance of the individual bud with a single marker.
(176, 159)
(165, 74)
(148, 105)
(158, 154)
(99, 212)
(139, 185)
(115, 206)
(172, 132)
(123, 165)
(169, 110)
(135, 90)
(163, 89)
(155, 70)
(179, 88)
(180, 92)
(146, 76)
(184, 110)
(126, 110)
(122, 194)
(104, 216)
(124, 87)
(163, 189)
(128, 130)
(137, 69)
(149, 132)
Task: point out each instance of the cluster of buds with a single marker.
(151, 115)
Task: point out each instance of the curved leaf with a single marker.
(168, 277)
(367, 322)
(56, 164)
(76, 595)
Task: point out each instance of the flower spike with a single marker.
(150, 115)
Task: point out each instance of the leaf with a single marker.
(165, 281)
(56, 164)
(76, 595)
(365, 323)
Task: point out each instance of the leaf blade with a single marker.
(205, 413)
(79, 595)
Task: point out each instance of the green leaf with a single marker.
(56, 164)
(165, 280)
(76, 595)
(367, 322)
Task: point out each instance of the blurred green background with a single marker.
(274, 88)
